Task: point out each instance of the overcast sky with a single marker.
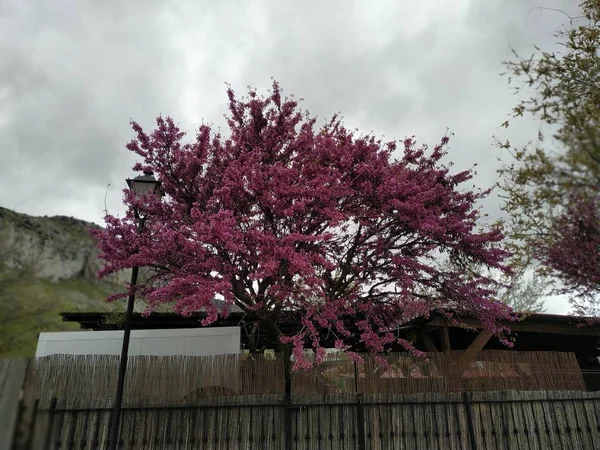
(73, 73)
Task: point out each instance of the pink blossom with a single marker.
(283, 215)
(573, 254)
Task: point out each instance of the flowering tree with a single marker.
(573, 254)
(550, 188)
(281, 216)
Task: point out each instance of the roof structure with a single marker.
(536, 332)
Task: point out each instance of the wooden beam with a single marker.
(428, 342)
(480, 340)
(525, 326)
(445, 334)
(470, 354)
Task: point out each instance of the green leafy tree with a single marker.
(525, 294)
(547, 184)
(521, 292)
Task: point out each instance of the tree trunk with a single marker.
(286, 352)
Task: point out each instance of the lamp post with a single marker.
(140, 185)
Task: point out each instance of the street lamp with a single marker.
(140, 185)
(145, 184)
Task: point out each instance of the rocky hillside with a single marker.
(47, 265)
(56, 248)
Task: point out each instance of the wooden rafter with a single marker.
(428, 342)
(480, 340)
(524, 326)
(445, 339)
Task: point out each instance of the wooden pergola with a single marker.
(536, 332)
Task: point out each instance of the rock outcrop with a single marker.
(55, 248)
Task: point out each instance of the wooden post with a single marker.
(470, 424)
(51, 413)
(471, 353)
(428, 342)
(360, 412)
(360, 418)
(29, 442)
(287, 422)
(287, 419)
(12, 378)
(480, 340)
(445, 339)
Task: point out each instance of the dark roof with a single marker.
(535, 322)
(537, 332)
(98, 321)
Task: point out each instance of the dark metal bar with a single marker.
(96, 432)
(193, 427)
(319, 435)
(238, 438)
(362, 439)
(132, 433)
(205, 427)
(470, 424)
(227, 423)
(57, 441)
(251, 427)
(262, 429)
(16, 431)
(51, 413)
(157, 427)
(116, 414)
(168, 427)
(32, 425)
(308, 405)
(287, 426)
(71, 438)
(86, 422)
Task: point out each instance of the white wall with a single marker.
(188, 342)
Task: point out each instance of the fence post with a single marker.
(287, 425)
(470, 424)
(49, 433)
(362, 439)
(32, 427)
(360, 416)
(22, 411)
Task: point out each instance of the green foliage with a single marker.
(29, 306)
(525, 295)
(541, 178)
(522, 293)
(26, 309)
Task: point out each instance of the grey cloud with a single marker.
(446, 75)
(71, 77)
